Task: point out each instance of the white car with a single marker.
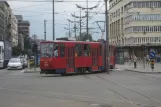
(24, 62)
(15, 63)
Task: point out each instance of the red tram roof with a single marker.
(59, 41)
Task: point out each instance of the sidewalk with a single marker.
(32, 70)
(140, 68)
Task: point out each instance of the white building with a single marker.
(14, 29)
(6, 8)
(135, 22)
(10, 24)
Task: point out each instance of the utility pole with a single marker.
(53, 21)
(69, 27)
(45, 30)
(107, 38)
(80, 23)
(75, 26)
(87, 19)
(34, 48)
(87, 15)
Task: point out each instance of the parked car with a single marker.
(15, 63)
(25, 63)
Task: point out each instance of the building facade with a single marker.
(14, 29)
(23, 25)
(21, 41)
(23, 30)
(2, 20)
(7, 21)
(134, 22)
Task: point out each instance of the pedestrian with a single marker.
(147, 59)
(130, 59)
(135, 61)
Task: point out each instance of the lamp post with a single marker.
(107, 38)
(45, 30)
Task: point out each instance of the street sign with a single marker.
(152, 54)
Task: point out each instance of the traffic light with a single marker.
(33, 50)
(144, 48)
(34, 47)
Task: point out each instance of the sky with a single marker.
(37, 12)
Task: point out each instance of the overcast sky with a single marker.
(37, 12)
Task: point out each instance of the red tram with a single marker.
(63, 57)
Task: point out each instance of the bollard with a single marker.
(152, 64)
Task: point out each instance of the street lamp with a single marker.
(45, 30)
(107, 38)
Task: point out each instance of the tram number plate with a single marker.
(46, 64)
(94, 67)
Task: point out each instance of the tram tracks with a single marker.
(132, 90)
(157, 80)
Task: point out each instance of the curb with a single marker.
(143, 72)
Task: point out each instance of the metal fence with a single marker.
(140, 61)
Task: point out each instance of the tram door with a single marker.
(70, 59)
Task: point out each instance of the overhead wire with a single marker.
(30, 6)
(46, 14)
(42, 4)
(51, 0)
(43, 12)
(64, 8)
(96, 12)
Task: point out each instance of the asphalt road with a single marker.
(118, 89)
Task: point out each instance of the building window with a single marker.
(143, 29)
(153, 17)
(142, 4)
(122, 10)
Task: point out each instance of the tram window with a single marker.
(47, 50)
(56, 50)
(86, 50)
(62, 50)
(78, 49)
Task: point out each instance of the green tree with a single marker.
(16, 51)
(27, 42)
(85, 37)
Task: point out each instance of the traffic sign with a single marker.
(152, 54)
